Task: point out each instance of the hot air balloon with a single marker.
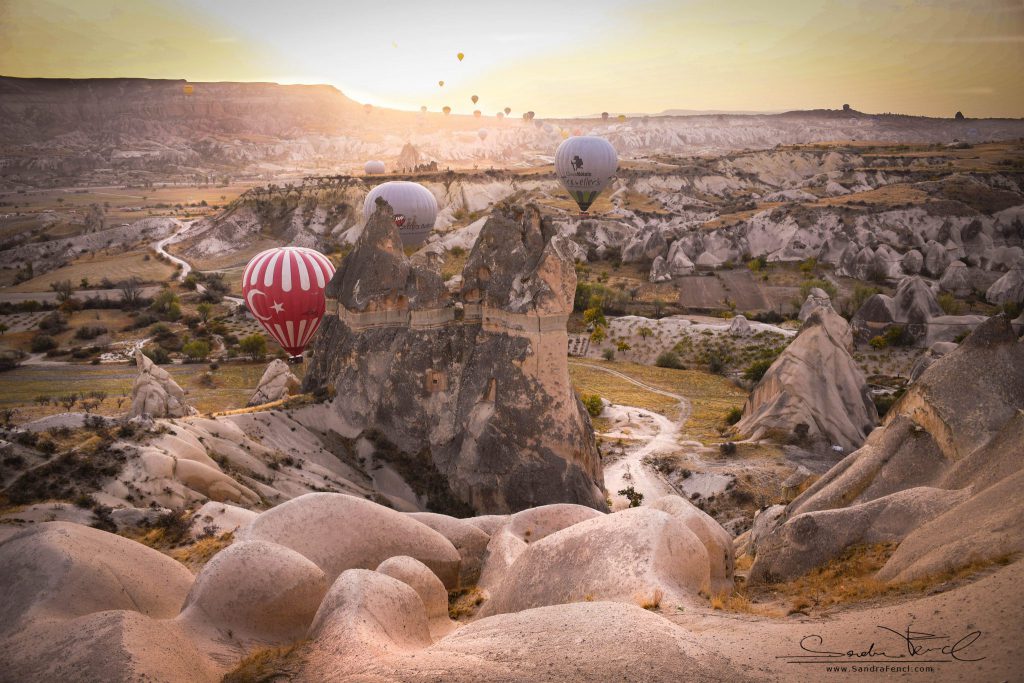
(373, 167)
(423, 109)
(460, 56)
(446, 110)
(577, 131)
(476, 113)
(482, 133)
(604, 116)
(500, 115)
(622, 117)
(441, 83)
(585, 165)
(475, 99)
(284, 290)
(414, 206)
(565, 134)
(188, 89)
(508, 110)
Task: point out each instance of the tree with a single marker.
(64, 290)
(597, 336)
(95, 219)
(622, 346)
(634, 497)
(254, 346)
(669, 359)
(196, 350)
(645, 332)
(204, 309)
(131, 292)
(594, 316)
(3, 328)
(593, 404)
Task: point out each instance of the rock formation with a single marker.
(915, 309)
(155, 393)
(938, 477)
(1009, 289)
(277, 382)
(814, 391)
(470, 395)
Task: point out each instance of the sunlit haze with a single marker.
(929, 57)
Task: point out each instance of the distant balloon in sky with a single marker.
(284, 291)
(423, 109)
(565, 134)
(373, 167)
(500, 115)
(475, 99)
(482, 133)
(441, 83)
(585, 165)
(604, 116)
(460, 56)
(188, 89)
(622, 117)
(414, 206)
(508, 110)
(476, 113)
(446, 110)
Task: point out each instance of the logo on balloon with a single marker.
(577, 163)
(399, 220)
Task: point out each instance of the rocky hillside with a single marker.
(471, 388)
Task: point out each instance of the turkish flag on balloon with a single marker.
(284, 290)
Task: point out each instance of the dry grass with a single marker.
(651, 601)
(202, 551)
(846, 580)
(464, 603)
(588, 380)
(98, 265)
(710, 396)
(264, 664)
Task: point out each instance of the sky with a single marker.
(924, 57)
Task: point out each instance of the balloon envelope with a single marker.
(585, 165)
(373, 167)
(475, 99)
(414, 206)
(508, 110)
(441, 83)
(447, 110)
(284, 291)
(604, 116)
(500, 115)
(476, 113)
(482, 133)
(460, 56)
(423, 109)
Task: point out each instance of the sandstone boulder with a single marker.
(277, 382)
(640, 555)
(255, 592)
(956, 279)
(418, 576)
(468, 539)
(1008, 289)
(340, 532)
(219, 518)
(155, 393)
(717, 541)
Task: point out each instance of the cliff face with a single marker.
(471, 391)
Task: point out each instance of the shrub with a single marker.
(254, 346)
(593, 404)
(878, 342)
(733, 416)
(949, 304)
(755, 371)
(42, 343)
(669, 359)
(196, 350)
(157, 354)
(90, 331)
(634, 497)
(608, 354)
(53, 323)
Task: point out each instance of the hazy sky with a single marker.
(930, 57)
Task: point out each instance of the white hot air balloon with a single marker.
(586, 165)
(414, 206)
(373, 167)
(483, 134)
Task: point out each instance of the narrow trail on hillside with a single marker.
(651, 434)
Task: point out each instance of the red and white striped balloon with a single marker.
(284, 290)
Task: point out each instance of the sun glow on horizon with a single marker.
(930, 57)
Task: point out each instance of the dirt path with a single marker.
(653, 434)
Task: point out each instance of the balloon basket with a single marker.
(296, 360)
